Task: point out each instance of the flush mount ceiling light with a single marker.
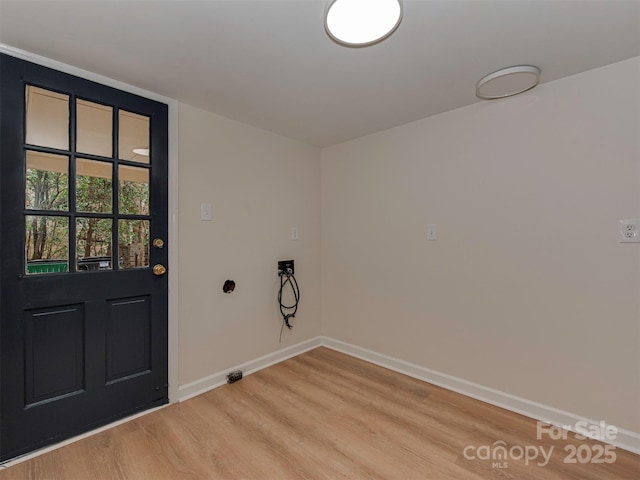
(360, 23)
(141, 151)
(507, 82)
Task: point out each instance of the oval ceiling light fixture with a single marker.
(141, 151)
(507, 82)
(360, 23)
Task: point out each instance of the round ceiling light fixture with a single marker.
(507, 82)
(141, 151)
(360, 23)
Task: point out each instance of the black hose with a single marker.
(288, 311)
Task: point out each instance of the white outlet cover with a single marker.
(629, 230)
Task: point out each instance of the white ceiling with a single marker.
(269, 63)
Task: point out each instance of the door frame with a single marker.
(173, 357)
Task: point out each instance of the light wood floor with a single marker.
(321, 415)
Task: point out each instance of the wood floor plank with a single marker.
(321, 415)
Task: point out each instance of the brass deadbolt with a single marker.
(159, 269)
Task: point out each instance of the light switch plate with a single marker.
(205, 212)
(432, 231)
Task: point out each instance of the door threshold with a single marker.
(36, 453)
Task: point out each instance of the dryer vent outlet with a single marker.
(234, 376)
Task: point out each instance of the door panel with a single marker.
(83, 318)
(128, 338)
(54, 353)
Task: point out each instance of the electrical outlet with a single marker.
(294, 233)
(629, 231)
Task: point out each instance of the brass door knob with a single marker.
(158, 243)
(159, 269)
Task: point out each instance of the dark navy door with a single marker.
(83, 255)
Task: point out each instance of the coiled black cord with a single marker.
(288, 311)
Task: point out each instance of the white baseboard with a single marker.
(203, 385)
(625, 439)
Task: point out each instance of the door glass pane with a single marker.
(46, 244)
(93, 186)
(133, 243)
(47, 118)
(94, 128)
(93, 243)
(134, 190)
(133, 138)
(47, 181)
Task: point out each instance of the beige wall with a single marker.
(527, 289)
(259, 184)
